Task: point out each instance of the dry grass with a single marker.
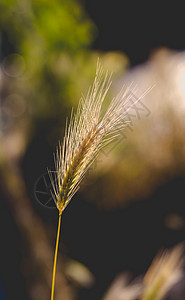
(165, 271)
(89, 130)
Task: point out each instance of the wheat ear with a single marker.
(87, 132)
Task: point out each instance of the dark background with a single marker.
(137, 27)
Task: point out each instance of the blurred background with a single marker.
(131, 202)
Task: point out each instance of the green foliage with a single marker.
(38, 27)
(44, 33)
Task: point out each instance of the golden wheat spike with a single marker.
(86, 133)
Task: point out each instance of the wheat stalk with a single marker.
(87, 132)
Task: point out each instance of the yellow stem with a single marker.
(55, 259)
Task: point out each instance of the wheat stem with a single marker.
(55, 258)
